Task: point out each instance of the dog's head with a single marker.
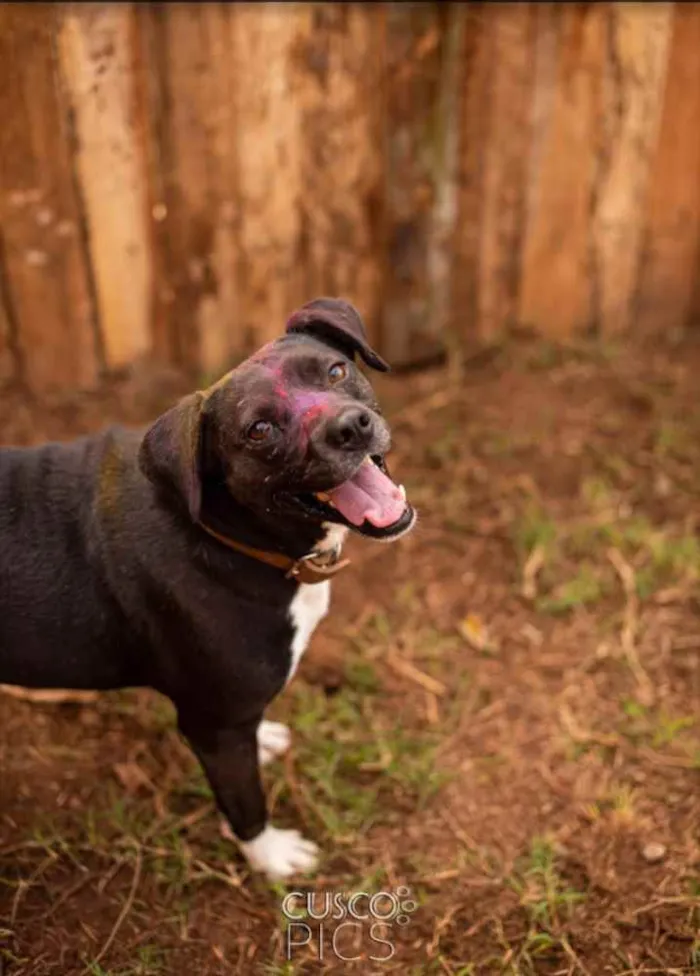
(294, 431)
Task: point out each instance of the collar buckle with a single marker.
(309, 568)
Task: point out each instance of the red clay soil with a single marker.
(501, 714)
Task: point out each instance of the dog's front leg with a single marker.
(230, 760)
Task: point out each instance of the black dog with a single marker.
(195, 558)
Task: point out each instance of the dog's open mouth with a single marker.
(369, 502)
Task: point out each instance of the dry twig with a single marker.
(630, 624)
(126, 908)
(534, 563)
(409, 670)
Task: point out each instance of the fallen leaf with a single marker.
(475, 633)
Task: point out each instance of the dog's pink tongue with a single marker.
(369, 496)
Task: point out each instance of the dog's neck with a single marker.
(271, 533)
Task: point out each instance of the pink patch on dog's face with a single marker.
(305, 407)
(310, 405)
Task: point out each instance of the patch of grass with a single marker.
(673, 439)
(377, 629)
(617, 467)
(279, 969)
(622, 800)
(633, 709)
(349, 756)
(543, 891)
(548, 902)
(694, 957)
(161, 713)
(657, 727)
(406, 595)
(170, 860)
(585, 588)
(534, 529)
(446, 448)
(497, 443)
(666, 561)
(123, 815)
(597, 493)
(194, 784)
(150, 961)
(669, 728)
(679, 555)
(362, 676)
(658, 557)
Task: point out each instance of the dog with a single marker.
(195, 557)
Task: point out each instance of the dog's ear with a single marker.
(170, 452)
(338, 324)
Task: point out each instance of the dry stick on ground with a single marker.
(24, 886)
(432, 712)
(409, 670)
(126, 908)
(630, 624)
(566, 945)
(534, 563)
(440, 926)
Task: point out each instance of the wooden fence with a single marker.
(175, 178)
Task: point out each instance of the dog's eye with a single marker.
(337, 372)
(260, 430)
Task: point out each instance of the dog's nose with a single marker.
(350, 430)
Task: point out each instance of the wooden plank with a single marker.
(267, 40)
(473, 126)
(634, 73)
(45, 261)
(221, 335)
(414, 147)
(442, 326)
(97, 53)
(496, 122)
(11, 366)
(510, 50)
(340, 83)
(186, 75)
(666, 298)
(594, 137)
(555, 291)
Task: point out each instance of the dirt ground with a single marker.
(500, 715)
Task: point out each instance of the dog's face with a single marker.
(294, 431)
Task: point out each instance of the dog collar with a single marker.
(316, 567)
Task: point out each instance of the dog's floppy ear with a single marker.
(170, 452)
(338, 324)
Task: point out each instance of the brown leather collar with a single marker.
(314, 568)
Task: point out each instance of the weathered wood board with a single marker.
(176, 178)
(46, 271)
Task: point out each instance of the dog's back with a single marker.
(53, 624)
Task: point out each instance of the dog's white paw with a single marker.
(280, 853)
(274, 739)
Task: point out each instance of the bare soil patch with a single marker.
(501, 714)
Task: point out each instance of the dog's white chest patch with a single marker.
(307, 609)
(311, 601)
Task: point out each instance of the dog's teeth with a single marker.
(403, 492)
(368, 460)
(323, 496)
